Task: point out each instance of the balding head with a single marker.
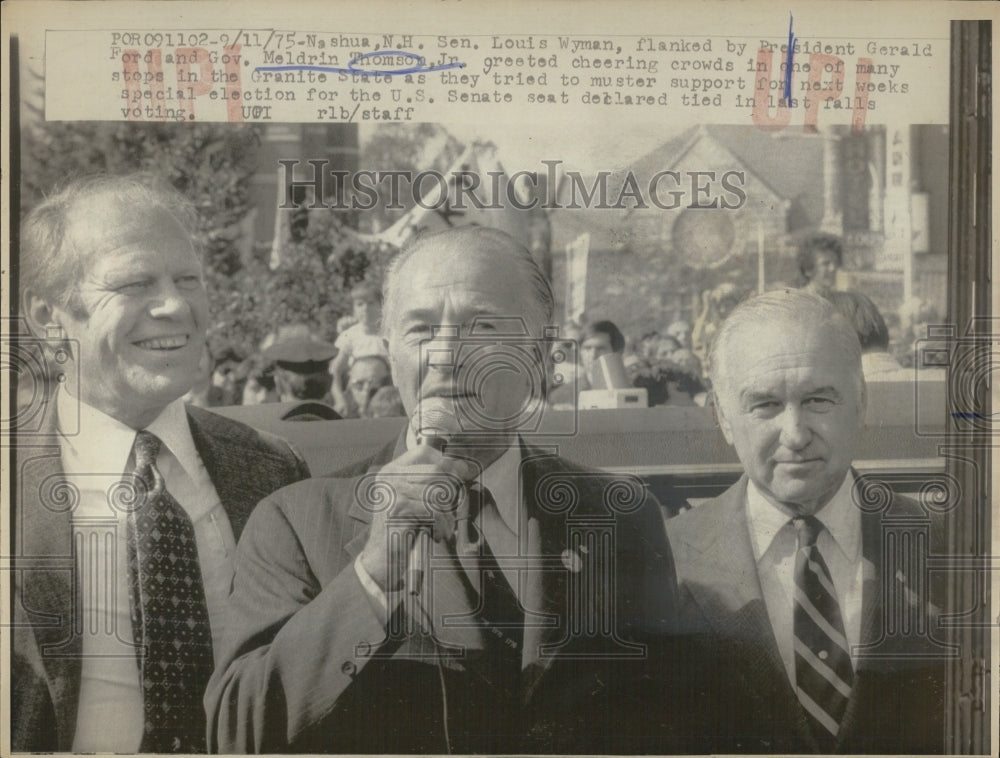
(790, 396)
(458, 308)
(54, 236)
(786, 315)
(112, 273)
(506, 255)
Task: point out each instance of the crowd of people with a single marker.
(352, 377)
(182, 584)
(673, 366)
(349, 378)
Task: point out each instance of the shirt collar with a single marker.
(116, 439)
(501, 478)
(102, 444)
(172, 427)
(840, 516)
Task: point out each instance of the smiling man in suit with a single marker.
(524, 632)
(127, 504)
(785, 577)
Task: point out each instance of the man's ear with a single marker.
(863, 402)
(720, 417)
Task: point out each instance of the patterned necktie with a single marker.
(485, 703)
(823, 672)
(169, 613)
(499, 609)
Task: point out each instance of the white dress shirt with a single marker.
(110, 709)
(500, 525)
(774, 544)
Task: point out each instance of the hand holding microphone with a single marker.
(432, 425)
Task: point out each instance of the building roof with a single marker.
(789, 163)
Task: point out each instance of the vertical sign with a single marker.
(577, 252)
(897, 202)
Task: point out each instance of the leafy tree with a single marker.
(311, 285)
(210, 164)
(408, 147)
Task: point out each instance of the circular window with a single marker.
(703, 238)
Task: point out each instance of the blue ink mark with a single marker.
(970, 415)
(788, 61)
(420, 66)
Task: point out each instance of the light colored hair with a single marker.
(506, 247)
(794, 309)
(51, 268)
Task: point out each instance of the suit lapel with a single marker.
(359, 514)
(721, 575)
(226, 463)
(871, 588)
(544, 591)
(48, 573)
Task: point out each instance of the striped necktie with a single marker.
(169, 612)
(823, 672)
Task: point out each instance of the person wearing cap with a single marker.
(128, 504)
(302, 375)
(345, 641)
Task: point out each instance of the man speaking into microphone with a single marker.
(462, 591)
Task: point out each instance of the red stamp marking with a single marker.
(861, 87)
(157, 96)
(823, 89)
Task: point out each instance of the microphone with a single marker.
(433, 423)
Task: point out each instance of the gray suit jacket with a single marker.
(309, 667)
(244, 465)
(745, 699)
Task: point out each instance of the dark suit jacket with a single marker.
(244, 465)
(303, 673)
(737, 684)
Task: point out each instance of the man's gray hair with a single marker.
(796, 308)
(516, 253)
(48, 266)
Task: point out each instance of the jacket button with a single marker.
(362, 649)
(348, 668)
